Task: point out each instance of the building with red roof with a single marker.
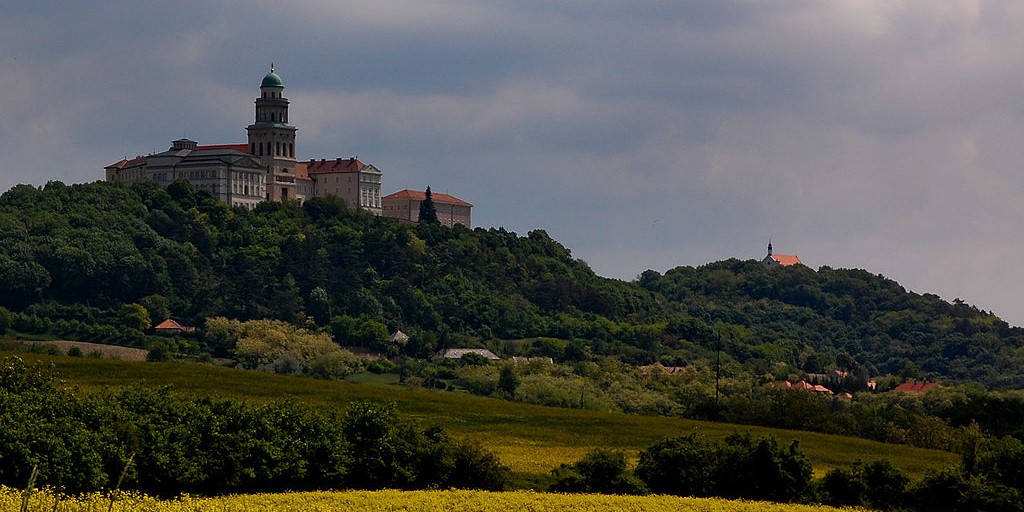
(170, 326)
(405, 205)
(779, 260)
(357, 183)
(915, 387)
(266, 169)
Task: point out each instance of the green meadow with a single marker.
(531, 439)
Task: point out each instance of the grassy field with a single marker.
(531, 439)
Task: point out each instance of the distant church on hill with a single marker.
(779, 260)
(265, 168)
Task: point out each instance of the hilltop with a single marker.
(108, 261)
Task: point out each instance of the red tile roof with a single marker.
(301, 171)
(322, 166)
(124, 164)
(171, 325)
(421, 195)
(244, 148)
(915, 387)
(785, 259)
(806, 386)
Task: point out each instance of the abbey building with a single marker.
(262, 169)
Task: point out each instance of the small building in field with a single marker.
(171, 327)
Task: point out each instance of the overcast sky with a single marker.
(878, 134)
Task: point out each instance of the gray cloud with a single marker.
(855, 133)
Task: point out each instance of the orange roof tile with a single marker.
(786, 259)
(915, 387)
(323, 166)
(171, 325)
(301, 171)
(124, 164)
(421, 195)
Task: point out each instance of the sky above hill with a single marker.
(875, 134)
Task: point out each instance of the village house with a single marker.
(170, 327)
(915, 387)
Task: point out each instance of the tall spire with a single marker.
(769, 247)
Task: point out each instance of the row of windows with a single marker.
(261, 115)
(285, 149)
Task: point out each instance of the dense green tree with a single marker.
(428, 212)
(683, 466)
(599, 471)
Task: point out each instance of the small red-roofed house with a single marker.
(803, 385)
(169, 326)
(915, 387)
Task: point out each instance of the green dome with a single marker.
(272, 79)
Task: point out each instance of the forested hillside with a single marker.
(105, 261)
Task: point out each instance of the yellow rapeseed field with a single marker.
(439, 501)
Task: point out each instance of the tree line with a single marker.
(988, 477)
(102, 254)
(165, 444)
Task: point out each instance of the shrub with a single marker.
(380, 366)
(952, 490)
(841, 487)
(159, 352)
(679, 465)
(884, 485)
(387, 452)
(760, 469)
(876, 484)
(6, 320)
(600, 471)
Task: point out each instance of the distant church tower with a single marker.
(272, 139)
(776, 260)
